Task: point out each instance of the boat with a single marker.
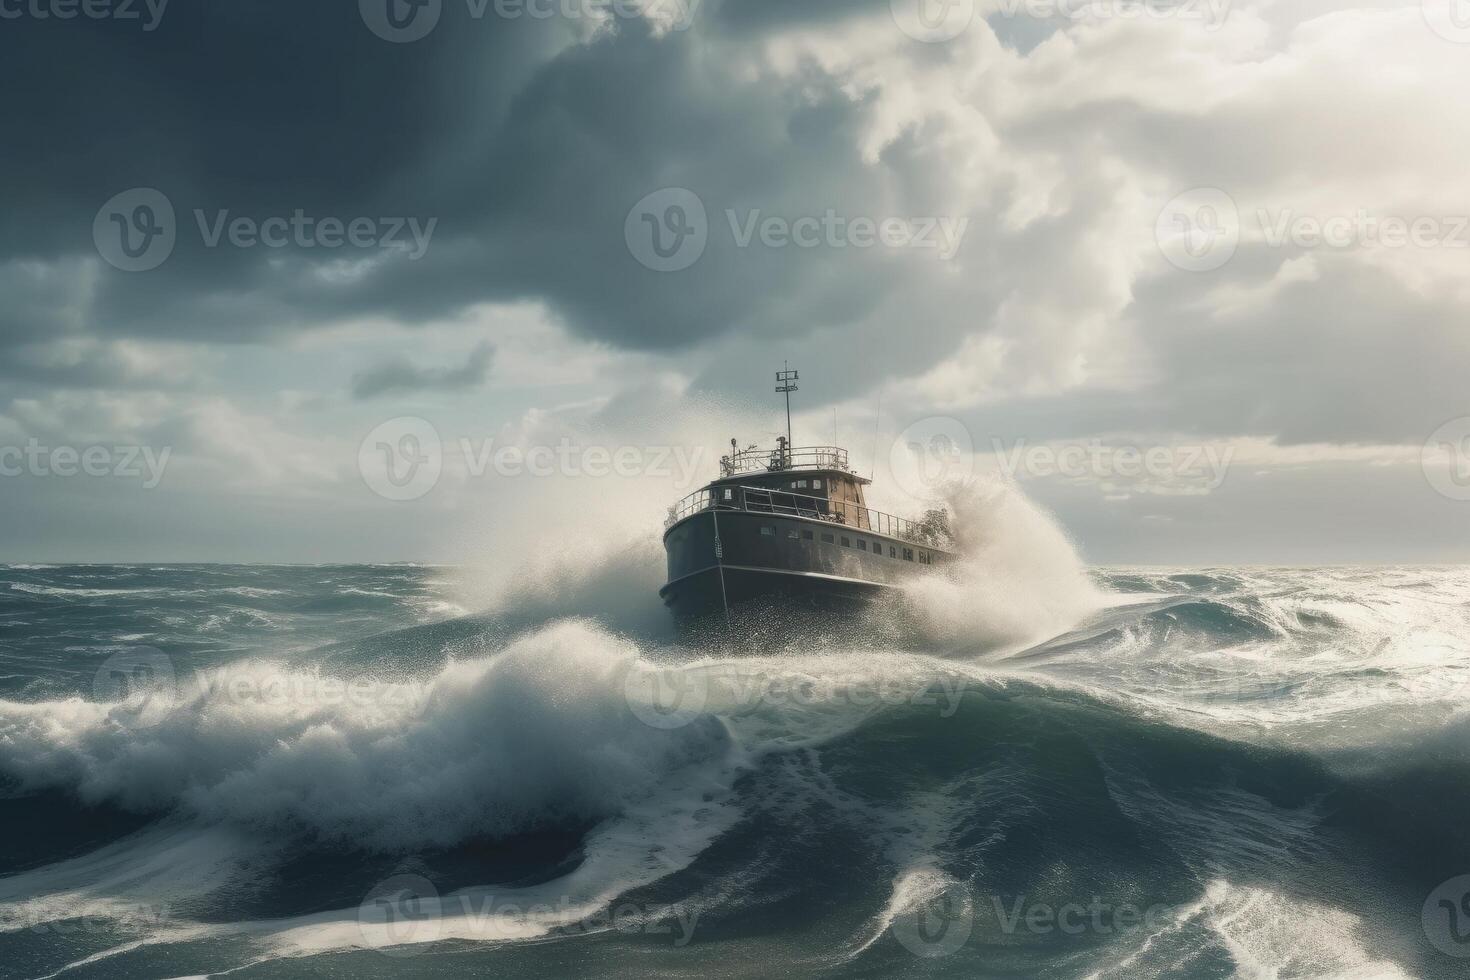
(790, 526)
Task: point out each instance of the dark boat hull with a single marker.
(720, 561)
(710, 592)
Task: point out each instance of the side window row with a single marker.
(925, 558)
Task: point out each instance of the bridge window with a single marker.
(827, 538)
(806, 535)
(908, 554)
(800, 484)
(766, 529)
(729, 494)
(846, 543)
(862, 545)
(892, 552)
(791, 534)
(816, 484)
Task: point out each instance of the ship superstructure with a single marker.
(789, 523)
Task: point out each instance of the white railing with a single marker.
(762, 500)
(756, 460)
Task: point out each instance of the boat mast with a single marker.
(786, 384)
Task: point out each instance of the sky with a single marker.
(434, 280)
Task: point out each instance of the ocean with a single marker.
(374, 771)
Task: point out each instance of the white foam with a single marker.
(57, 590)
(1270, 935)
(1018, 579)
(613, 578)
(490, 746)
(135, 883)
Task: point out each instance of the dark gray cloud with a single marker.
(400, 375)
(527, 150)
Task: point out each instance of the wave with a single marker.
(536, 734)
(719, 780)
(1271, 761)
(61, 591)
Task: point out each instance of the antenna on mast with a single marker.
(786, 384)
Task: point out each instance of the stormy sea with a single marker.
(1025, 767)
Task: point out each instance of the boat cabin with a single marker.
(811, 481)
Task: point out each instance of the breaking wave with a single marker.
(1215, 772)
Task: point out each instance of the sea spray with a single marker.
(1017, 578)
(613, 579)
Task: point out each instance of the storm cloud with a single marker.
(284, 214)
